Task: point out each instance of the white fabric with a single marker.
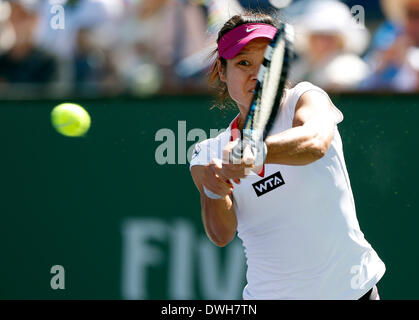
(302, 240)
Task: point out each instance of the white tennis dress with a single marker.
(298, 224)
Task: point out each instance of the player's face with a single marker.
(241, 72)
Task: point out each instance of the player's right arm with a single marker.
(218, 215)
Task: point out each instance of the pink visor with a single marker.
(233, 41)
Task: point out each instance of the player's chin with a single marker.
(249, 97)
(244, 101)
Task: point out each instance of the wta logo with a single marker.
(268, 184)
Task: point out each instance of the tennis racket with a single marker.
(269, 90)
(265, 105)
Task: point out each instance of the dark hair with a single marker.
(223, 98)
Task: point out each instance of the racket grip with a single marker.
(237, 153)
(259, 150)
(211, 194)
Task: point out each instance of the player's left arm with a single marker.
(310, 136)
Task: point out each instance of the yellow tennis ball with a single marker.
(70, 119)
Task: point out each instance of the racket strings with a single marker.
(271, 82)
(285, 65)
(262, 78)
(269, 91)
(270, 86)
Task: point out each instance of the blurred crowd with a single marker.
(112, 47)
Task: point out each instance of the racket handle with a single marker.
(237, 153)
(259, 151)
(211, 194)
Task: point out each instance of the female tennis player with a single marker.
(296, 216)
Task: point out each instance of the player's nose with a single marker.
(254, 74)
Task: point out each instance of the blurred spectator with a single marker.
(328, 43)
(217, 12)
(82, 57)
(79, 14)
(154, 37)
(7, 34)
(394, 54)
(22, 62)
(93, 71)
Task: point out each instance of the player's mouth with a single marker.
(252, 89)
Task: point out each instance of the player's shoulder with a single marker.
(293, 94)
(223, 136)
(205, 150)
(211, 142)
(214, 143)
(302, 87)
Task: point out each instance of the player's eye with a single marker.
(244, 63)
